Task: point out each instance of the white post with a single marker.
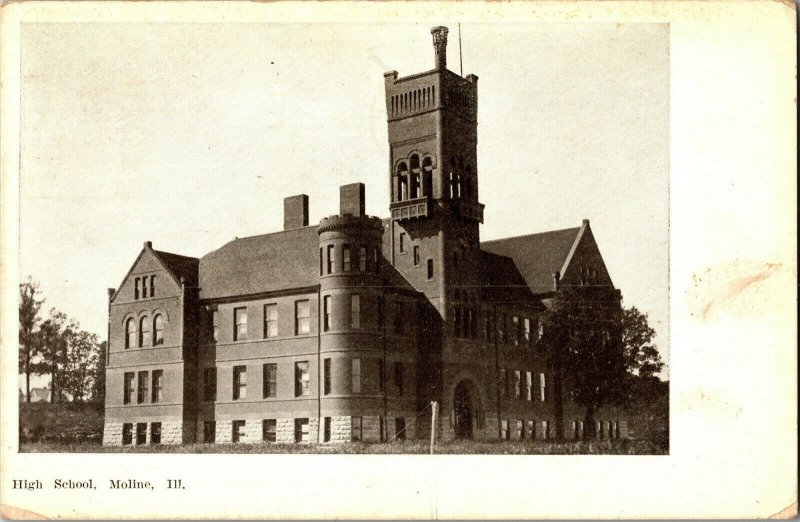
(433, 424)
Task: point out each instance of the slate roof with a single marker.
(180, 266)
(536, 256)
(265, 263)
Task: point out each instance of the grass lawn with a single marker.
(621, 447)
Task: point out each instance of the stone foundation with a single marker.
(171, 433)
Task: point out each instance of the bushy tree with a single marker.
(603, 349)
(29, 305)
(80, 363)
(52, 338)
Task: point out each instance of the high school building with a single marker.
(348, 329)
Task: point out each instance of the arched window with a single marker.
(158, 330)
(144, 331)
(427, 176)
(402, 182)
(130, 333)
(415, 176)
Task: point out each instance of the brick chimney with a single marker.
(295, 212)
(440, 46)
(351, 200)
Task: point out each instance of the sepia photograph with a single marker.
(347, 260)
(408, 328)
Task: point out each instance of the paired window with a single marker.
(355, 311)
(270, 390)
(240, 323)
(239, 382)
(269, 430)
(270, 320)
(302, 324)
(355, 375)
(356, 429)
(237, 430)
(301, 379)
(326, 313)
(158, 376)
(142, 283)
(210, 384)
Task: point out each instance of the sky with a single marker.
(189, 135)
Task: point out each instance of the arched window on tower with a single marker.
(144, 331)
(402, 182)
(427, 177)
(130, 333)
(415, 176)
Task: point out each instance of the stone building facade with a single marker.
(349, 329)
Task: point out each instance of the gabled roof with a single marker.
(502, 280)
(258, 264)
(537, 256)
(180, 266)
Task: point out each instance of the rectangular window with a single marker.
(530, 429)
(355, 375)
(520, 431)
(237, 431)
(326, 430)
(326, 376)
(398, 318)
(362, 260)
(528, 386)
(542, 388)
(301, 379)
(515, 330)
(330, 259)
(430, 269)
(239, 382)
(270, 320)
(402, 242)
(215, 325)
(141, 433)
(240, 324)
(504, 435)
(136, 288)
(210, 384)
(142, 379)
(127, 434)
(527, 326)
(269, 430)
(546, 429)
(144, 295)
(345, 258)
(356, 429)
(400, 428)
(270, 390)
(326, 313)
(503, 383)
(301, 430)
(158, 376)
(302, 324)
(209, 432)
(398, 377)
(540, 325)
(355, 311)
(517, 384)
(155, 433)
(152, 286)
(416, 255)
(127, 393)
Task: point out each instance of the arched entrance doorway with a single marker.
(462, 411)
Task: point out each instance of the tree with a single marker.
(52, 339)
(80, 362)
(29, 307)
(637, 340)
(583, 335)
